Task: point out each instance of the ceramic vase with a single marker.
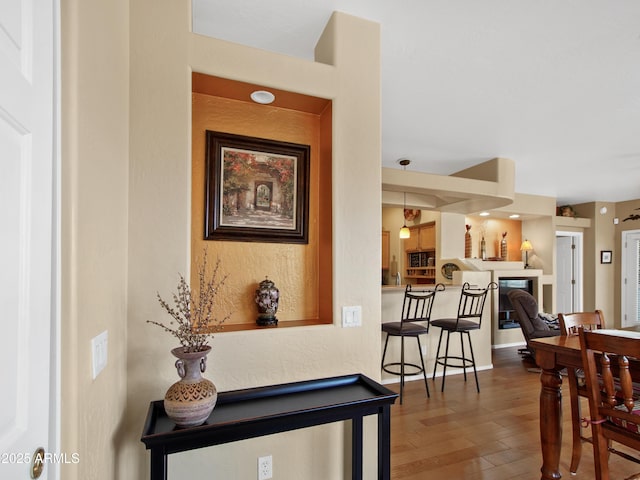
(467, 242)
(503, 247)
(483, 249)
(189, 401)
(266, 298)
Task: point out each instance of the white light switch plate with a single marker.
(352, 316)
(99, 349)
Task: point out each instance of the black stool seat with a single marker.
(469, 318)
(416, 314)
(405, 330)
(455, 325)
(408, 330)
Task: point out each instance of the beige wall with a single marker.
(126, 231)
(95, 155)
(599, 279)
(163, 55)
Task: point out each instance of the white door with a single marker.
(630, 264)
(26, 240)
(568, 272)
(564, 274)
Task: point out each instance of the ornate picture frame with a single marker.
(257, 190)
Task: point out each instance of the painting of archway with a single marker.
(257, 189)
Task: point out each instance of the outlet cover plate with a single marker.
(99, 349)
(352, 316)
(265, 467)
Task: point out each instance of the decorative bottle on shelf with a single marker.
(483, 249)
(503, 246)
(467, 242)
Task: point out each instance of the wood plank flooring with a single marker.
(460, 434)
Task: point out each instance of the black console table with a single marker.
(254, 412)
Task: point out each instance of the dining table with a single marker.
(552, 355)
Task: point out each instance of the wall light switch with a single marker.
(352, 316)
(99, 349)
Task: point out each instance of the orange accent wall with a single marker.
(302, 273)
(493, 229)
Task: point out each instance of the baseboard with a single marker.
(450, 371)
(508, 345)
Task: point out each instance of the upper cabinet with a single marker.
(423, 237)
(385, 250)
(420, 253)
(427, 236)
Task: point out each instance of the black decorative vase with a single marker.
(267, 296)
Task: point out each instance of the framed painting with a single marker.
(257, 190)
(605, 256)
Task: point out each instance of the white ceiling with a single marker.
(553, 85)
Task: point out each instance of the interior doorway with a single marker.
(630, 281)
(568, 271)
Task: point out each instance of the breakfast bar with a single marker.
(445, 306)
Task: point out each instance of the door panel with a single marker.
(26, 212)
(630, 278)
(564, 275)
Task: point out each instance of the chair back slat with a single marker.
(571, 322)
(607, 380)
(472, 301)
(417, 304)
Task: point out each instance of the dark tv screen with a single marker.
(506, 285)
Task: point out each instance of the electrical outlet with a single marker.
(99, 349)
(265, 467)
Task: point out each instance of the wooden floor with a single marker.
(460, 434)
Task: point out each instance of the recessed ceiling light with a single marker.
(515, 215)
(263, 97)
(484, 214)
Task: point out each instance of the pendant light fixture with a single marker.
(404, 231)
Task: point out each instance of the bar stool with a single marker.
(469, 318)
(416, 307)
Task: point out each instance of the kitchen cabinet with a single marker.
(385, 249)
(420, 254)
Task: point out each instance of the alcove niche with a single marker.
(302, 272)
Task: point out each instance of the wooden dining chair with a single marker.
(612, 376)
(569, 325)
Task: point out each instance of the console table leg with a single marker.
(356, 445)
(384, 443)
(158, 464)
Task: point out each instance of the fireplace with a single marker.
(506, 313)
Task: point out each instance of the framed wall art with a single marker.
(605, 256)
(257, 190)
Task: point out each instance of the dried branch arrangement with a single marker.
(193, 319)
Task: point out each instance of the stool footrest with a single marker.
(464, 362)
(417, 369)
